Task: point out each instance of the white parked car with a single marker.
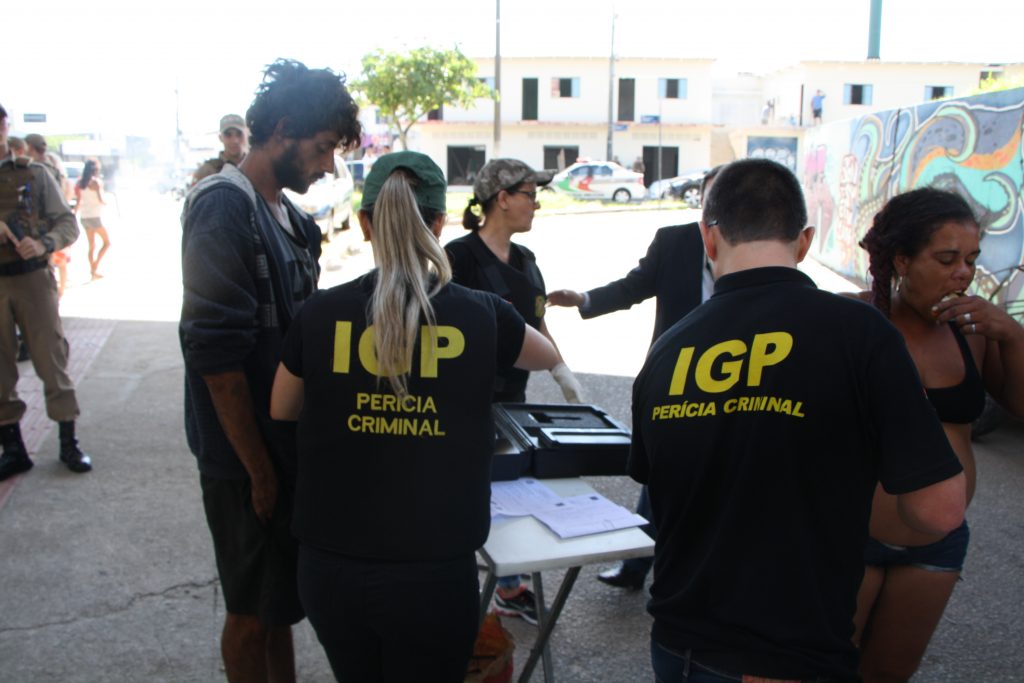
(600, 180)
(328, 200)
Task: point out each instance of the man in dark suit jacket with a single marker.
(674, 271)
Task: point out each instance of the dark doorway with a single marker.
(627, 98)
(669, 164)
(529, 99)
(463, 164)
(559, 157)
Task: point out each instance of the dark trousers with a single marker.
(681, 667)
(642, 565)
(392, 621)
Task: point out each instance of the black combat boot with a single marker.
(70, 454)
(15, 458)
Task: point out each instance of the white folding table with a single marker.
(522, 545)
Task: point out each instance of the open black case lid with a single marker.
(558, 440)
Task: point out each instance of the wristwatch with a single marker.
(47, 243)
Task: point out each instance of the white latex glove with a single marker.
(567, 382)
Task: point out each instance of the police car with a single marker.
(600, 180)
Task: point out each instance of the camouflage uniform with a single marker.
(212, 166)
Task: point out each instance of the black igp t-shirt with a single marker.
(382, 478)
(761, 423)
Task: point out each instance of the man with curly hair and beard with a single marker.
(249, 260)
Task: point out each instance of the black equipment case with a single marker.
(549, 441)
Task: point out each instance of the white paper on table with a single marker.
(590, 513)
(520, 497)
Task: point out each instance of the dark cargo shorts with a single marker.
(256, 563)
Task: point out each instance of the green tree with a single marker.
(405, 87)
(995, 83)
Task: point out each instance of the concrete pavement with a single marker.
(109, 576)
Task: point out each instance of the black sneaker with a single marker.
(11, 465)
(523, 605)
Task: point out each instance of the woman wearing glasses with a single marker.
(503, 204)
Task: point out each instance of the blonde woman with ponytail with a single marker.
(390, 379)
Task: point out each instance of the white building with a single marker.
(853, 89)
(555, 109)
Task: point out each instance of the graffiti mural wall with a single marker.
(780, 149)
(971, 145)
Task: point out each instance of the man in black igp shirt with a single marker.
(761, 423)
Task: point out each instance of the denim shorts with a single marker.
(946, 555)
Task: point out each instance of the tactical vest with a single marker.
(18, 197)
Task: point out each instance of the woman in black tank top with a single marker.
(923, 246)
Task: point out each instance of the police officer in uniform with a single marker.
(389, 377)
(234, 136)
(34, 221)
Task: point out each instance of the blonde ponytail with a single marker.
(409, 260)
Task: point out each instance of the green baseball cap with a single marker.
(430, 190)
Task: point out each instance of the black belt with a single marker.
(22, 267)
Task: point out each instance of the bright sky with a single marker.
(113, 65)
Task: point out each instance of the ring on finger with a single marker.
(967, 317)
(974, 327)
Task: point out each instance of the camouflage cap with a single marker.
(430, 190)
(501, 174)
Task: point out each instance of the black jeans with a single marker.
(392, 621)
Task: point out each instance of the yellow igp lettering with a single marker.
(342, 346)
(731, 369)
(768, 348)
(431, 351)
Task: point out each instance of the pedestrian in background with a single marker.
(817, 104)
(89, 207)
(249, 261)
(395, 439)
(235, 137)
(37, 148)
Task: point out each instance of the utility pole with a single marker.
(611, 92)
(875, 30)
(497, 79)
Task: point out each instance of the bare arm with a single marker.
(546, 333)
(287, 396)
(537, 353)
(936, 509)
(232, 400)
